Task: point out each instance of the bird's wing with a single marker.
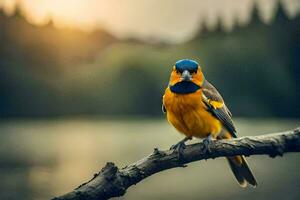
(163, 108)
(217, 107)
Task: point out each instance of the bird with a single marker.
(197, 110)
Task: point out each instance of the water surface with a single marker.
(43, 159)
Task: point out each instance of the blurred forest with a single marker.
(47, 71)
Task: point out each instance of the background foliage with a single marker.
(45, 71)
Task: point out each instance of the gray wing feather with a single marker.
(223, 114)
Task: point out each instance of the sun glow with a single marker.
(71, 13)
(174, 20)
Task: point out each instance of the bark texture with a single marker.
(113, 182)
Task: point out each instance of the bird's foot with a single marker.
(179, 147)
(207, 144)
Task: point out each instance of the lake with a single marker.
(40, 159)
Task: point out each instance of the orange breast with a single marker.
(188, 114)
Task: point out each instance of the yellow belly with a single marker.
(188, 114)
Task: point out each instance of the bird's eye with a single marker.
(177, 71)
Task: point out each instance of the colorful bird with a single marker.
(196, 109)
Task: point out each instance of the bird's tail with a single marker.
(241, 171)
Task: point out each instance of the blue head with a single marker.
(186, 64)
(186, 77)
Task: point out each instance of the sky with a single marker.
(173, 20)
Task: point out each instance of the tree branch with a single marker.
(113, 182)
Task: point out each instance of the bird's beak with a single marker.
(186, 76)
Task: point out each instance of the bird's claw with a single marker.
(207, 144)
(179, 147)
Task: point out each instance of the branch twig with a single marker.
(113, 182)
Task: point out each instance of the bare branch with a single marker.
(113, 182)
